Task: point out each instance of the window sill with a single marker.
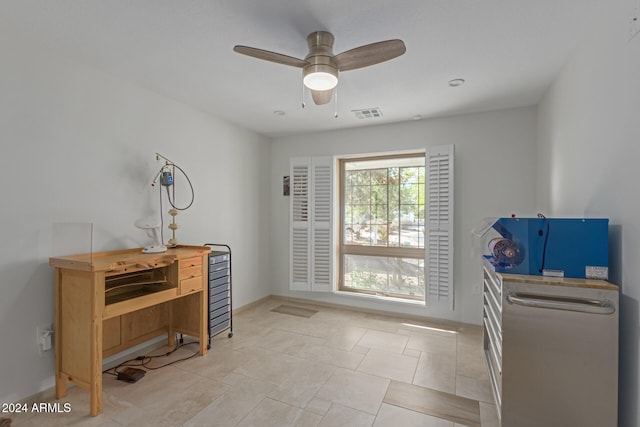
(379, 298)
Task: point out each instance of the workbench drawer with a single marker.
(192, 284)
(190, 267)
(188, 273)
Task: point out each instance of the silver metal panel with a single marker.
(560, 356)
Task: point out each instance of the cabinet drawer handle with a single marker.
(567, 304)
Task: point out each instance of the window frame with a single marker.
(382, 251)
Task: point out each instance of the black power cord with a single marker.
(143, 361)
(544, 246)
(193, 195)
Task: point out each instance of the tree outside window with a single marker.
(383, 228)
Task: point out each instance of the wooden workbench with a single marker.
(107, 302)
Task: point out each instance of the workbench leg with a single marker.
(61, 383)
(61, 387)
(203, 300)
(95, 390)
(96, 400)
(95, 382)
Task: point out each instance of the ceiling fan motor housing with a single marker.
(320, 59)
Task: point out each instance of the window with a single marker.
(382, 222)
(393, 234)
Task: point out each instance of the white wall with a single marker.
(495, 164)
(78, 146)
(589, 147)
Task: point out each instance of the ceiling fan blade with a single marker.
(270, 56)
(321, 97)
(370, 54)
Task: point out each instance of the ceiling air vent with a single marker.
(367, 113)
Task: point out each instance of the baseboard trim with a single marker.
(250, 305)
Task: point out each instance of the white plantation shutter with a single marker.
(439, 222)
(311, 224)
(321, 273)
(299, 223)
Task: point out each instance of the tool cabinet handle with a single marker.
(567, 304)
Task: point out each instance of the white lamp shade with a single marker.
(148, 223)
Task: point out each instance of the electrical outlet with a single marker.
(634, 23)
(44, 335)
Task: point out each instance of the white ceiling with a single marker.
(508, 51)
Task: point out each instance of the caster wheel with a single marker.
(230, 334)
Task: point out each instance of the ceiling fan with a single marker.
(320, 67)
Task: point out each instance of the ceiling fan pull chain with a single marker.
(335, 103)
(303, 103)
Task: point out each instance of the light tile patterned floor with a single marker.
(337, 368)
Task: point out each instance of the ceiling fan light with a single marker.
(320, 80)
(320, 76)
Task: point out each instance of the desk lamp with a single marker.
(151, 224)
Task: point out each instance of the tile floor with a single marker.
(335, 368)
